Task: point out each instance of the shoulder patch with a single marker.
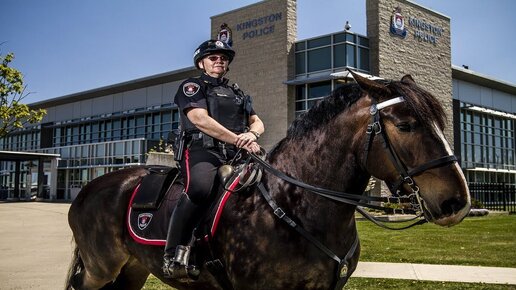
(190, 89)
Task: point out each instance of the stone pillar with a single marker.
(422, 48)
(53, 178)
(263, 36)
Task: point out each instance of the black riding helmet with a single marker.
(210, 47)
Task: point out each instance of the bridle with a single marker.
(406, 176)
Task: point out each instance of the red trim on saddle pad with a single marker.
(135, 237)
(222, 203)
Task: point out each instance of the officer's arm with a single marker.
(256, 124)
(200, 118)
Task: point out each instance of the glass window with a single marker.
(339, 55)
(301, 106)
(340, 37)
(300, 92)
(319, 90)
(350, 55)
(350, 37)
(326, 40)
(363, 58)
(319, 59)
(300, 46)
(300, 63)
(363, 41)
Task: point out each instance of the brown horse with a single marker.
(328, 147)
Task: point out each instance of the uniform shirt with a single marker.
(223, 103)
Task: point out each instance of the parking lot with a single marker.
(35, 245)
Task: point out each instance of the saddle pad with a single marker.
(154, 186)
(150, 226)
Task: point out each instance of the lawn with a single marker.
(477, 241)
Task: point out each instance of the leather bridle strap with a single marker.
(440, 162)
(280, 213)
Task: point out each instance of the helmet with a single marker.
(210, 47)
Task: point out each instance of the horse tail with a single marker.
(76, 267)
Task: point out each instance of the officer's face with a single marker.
(215, 65)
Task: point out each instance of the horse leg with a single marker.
(100, 261)
(132, 277)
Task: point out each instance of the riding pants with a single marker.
(199, 166)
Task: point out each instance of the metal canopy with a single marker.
(25, 156)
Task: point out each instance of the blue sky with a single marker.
(68, 46)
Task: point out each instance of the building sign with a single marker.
(398, 24)
(224, 34)
(257, 27)
(425, 31)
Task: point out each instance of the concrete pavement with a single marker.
(36, 249)
(449, 273)
(35, 245)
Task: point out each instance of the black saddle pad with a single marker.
(149, 226)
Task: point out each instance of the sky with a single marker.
(69, 46)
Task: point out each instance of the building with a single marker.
(112, 127)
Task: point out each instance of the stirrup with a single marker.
(177, 267)
(182, 255)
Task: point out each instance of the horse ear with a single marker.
(369, 85)
(408, 80)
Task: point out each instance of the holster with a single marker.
(179, 145)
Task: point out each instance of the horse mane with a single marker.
(325, 110)
(425, 107)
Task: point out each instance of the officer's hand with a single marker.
(245, 139)
(253, 147)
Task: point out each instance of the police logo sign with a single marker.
(190, 89)
(398, 24)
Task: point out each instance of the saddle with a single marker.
(155, 197)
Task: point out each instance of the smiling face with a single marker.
(215, 65)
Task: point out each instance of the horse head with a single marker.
(407, 149)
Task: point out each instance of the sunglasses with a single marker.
(215, 58)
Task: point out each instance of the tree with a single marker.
(13, 114)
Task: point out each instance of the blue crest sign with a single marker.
(398, 24)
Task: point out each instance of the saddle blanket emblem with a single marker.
(144, 220)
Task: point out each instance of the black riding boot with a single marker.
(179, 234)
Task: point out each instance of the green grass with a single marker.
(477, 241)
(381, 284)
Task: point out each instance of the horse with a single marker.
(332, 146)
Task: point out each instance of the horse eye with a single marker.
(404, 127)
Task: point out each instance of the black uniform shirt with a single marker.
(194, 93)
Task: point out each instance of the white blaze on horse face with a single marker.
(459, 215)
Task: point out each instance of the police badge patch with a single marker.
(190, 89)
(144, 220)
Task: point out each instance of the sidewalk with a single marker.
(449, 273)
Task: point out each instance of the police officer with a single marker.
(217, 119)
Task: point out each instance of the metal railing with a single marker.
(495, 196)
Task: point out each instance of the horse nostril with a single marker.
(452, 206)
